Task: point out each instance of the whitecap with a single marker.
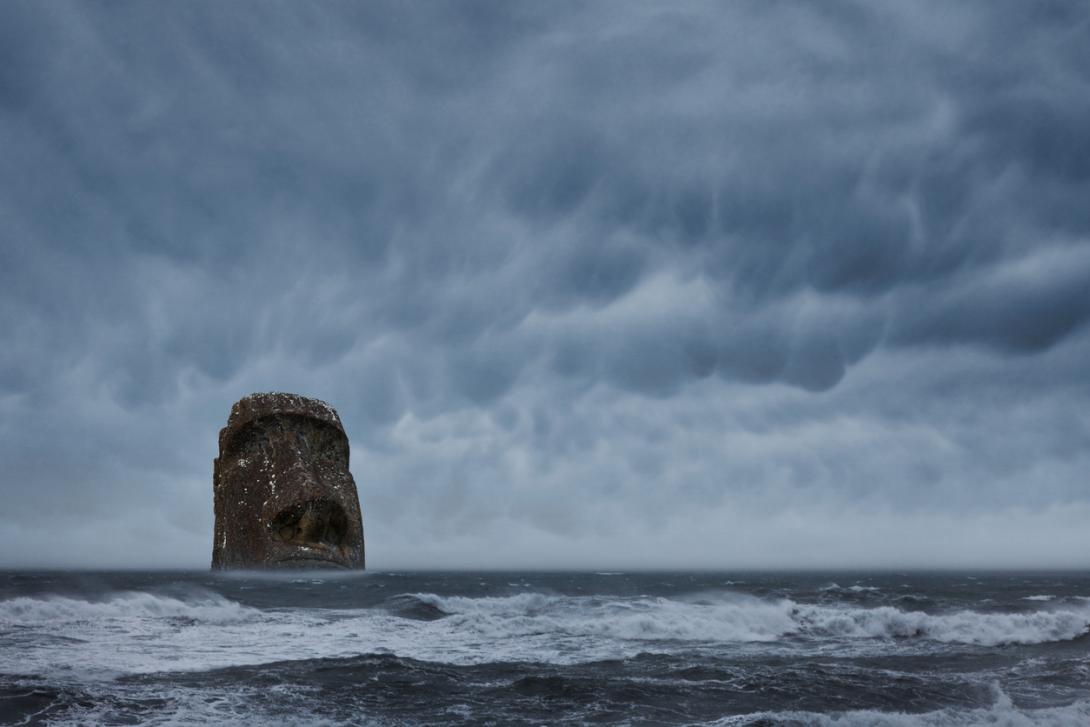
(853, 588)
(139, 632)
(58, 610)
(966, 627)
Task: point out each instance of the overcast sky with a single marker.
(609, 284)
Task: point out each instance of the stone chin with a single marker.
(284, 496)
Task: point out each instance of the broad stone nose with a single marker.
(314, 523)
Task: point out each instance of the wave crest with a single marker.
(965, 627)
(57, 610)
(141, 632)
(741, 618)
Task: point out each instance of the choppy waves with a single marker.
(581, 648)
(139, 632)
(964, 627)
(204, 607)
(729, 617)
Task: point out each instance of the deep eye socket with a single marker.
(311, 439)
(330, 448)
(325, 443)
(245, 442)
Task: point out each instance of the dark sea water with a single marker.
(538, 648)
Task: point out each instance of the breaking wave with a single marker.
(503, 648)
(965, 627)
(58, 610)
(140, 632)
(735, 617)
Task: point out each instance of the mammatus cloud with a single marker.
(614, 284)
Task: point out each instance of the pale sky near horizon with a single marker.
(592, 285)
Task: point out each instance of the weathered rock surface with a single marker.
(284, 497)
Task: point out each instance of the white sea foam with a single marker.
(138, 632)
(737, 618)
(231, 704)
(966, 627)
(1002, 713)
(243, 705)
(1038, 598)
(741, 618)
(57, 610)
(193, 707)
(836, 587)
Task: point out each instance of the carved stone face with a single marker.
(283, 494)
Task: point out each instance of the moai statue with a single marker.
(284, 497)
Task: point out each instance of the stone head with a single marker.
(283, 494)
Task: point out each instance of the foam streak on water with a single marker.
(890, 649)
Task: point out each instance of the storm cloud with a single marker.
(610, 284)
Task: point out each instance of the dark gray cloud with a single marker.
(622, 283)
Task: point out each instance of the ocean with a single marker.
(406, 648)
